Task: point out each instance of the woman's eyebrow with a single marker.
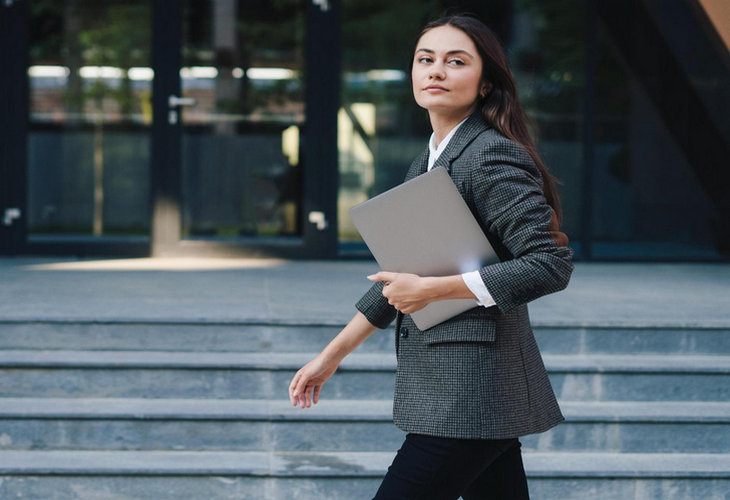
(450, 53)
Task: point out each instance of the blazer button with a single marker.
(404, 332)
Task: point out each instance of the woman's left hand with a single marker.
(406, 292)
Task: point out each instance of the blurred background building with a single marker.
(250, 127)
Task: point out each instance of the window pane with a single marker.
(241, 143)
(547, 58)
(663, 134)
(380, 128)
(90, 115)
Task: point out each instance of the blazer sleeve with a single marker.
(375, 307)
(508, 196)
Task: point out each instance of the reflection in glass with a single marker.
(241, 142)
(90, 111)
(547, 58)
(654, 188)
(380, 128)
(659, 95)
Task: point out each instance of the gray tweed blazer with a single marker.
(480, 375)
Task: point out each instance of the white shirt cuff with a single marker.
(473, 281)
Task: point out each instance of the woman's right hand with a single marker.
(308, 381)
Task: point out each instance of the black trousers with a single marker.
(436, 468)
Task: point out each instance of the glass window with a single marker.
(90, 114)
(659, 191)
(380, 128)
(546, 53)
(243, 63)
(656, 184)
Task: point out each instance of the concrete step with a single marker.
(334, 425)
(312, 475)
(647, 340)
(229, 375)
(307, 337)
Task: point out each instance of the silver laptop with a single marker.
(424, 227)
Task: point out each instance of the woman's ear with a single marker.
(486, 87)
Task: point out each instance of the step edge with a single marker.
(377, 361)
(355, 464)
(271, 410)
(535, 323)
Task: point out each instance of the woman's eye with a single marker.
(456, 62)
(424, 60)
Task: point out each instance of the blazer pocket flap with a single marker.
(480, 329)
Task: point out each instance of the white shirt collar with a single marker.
(434, 153)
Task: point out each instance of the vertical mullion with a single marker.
(14, 124)
(166, 137)
(322, 101)
(589, 117)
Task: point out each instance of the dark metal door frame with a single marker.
(13, 126)
(165, 157)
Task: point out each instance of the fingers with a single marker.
(309, 396)
(303, 393)
(296, 389)
(306, 400)
(382, 276)
(292, 389)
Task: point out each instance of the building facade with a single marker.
(250, 127)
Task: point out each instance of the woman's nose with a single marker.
(436, 71)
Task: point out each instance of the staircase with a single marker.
(115, 409)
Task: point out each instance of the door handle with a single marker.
(10, 215)
(319, 220)
(174, 100)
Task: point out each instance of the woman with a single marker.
(466, 389)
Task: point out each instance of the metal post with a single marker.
(166, 128)
(322, 91)
(13, 126)
(589, 117)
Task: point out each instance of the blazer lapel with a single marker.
(471, 128)
(419, 165)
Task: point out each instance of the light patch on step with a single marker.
(5, 440)
(94, 491)
(157, 264)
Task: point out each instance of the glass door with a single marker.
(89, 114)
(242, 113)
(251, 172)
(204, 127)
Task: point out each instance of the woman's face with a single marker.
(447, 71)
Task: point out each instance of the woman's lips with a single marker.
(435, 89)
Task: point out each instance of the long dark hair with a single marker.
(500, 106)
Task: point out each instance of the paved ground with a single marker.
(325, 292)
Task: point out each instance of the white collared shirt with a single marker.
(473, 279)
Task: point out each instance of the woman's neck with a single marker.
(443, 124)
